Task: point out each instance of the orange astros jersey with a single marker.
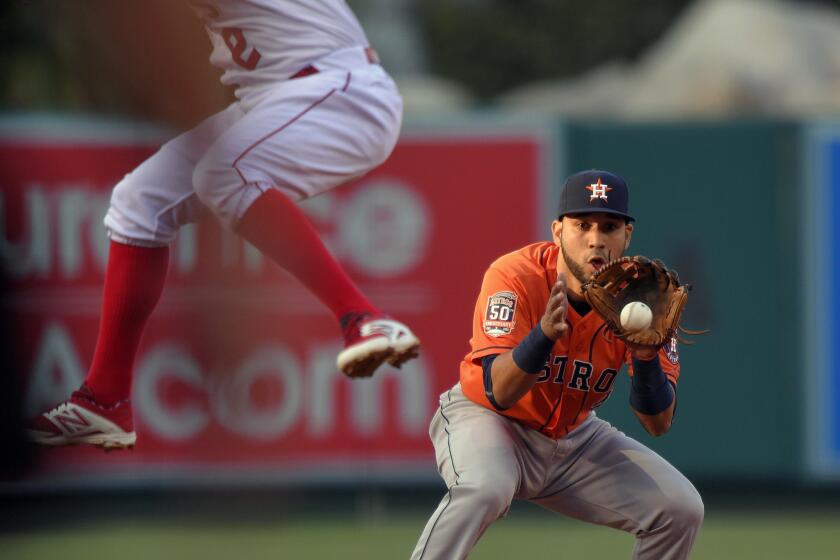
(583, 365)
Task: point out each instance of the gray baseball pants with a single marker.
(595, 474)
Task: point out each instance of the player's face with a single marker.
(589, 241)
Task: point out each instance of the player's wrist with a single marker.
(547, 332)
(647, 374)
(650, 390)
(530, 354)
(552, 331)
(643, 353)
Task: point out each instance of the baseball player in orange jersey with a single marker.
(314, 110)
(520, 423)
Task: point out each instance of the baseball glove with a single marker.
(639, 279)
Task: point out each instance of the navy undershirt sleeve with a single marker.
(487, 366)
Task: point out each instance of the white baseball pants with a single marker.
(304, 136)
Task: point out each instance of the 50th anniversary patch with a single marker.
(500, 314)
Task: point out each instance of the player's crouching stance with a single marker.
(315, 110)
(520, 423)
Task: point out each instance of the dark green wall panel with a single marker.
(718, 202)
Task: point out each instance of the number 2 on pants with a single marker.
(235, 40)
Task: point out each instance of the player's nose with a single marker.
(596, 238)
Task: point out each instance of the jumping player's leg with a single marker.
(275, 225)
(308, 136)
(477, 457)
(618, 482)
(147, 208)
(134, 281)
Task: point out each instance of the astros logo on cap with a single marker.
(599, 190)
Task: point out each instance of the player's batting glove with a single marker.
(630, 279)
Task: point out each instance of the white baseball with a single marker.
(636, 316)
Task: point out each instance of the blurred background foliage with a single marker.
(145, 59)
(63, 55)
(107, 56)
(494, 45)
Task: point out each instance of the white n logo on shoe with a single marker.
(75, 421)
(72, 421)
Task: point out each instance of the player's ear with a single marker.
(556, 230)
(628, 232)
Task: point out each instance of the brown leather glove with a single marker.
(639, 279)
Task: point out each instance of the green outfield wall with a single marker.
(721, 203)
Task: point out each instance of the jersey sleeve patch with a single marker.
(500, 316)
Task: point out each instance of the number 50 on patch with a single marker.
(500, 314)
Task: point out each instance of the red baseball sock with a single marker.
(133, 283)
(278, 227)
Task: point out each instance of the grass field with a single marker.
(725, 535)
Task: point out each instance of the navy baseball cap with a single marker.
(593, 191)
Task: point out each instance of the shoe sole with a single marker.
(365, 367)
(374, 354)
(398, 358)
(107, 443)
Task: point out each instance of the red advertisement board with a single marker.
(237, 367)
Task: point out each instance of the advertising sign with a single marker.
(236, 372)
